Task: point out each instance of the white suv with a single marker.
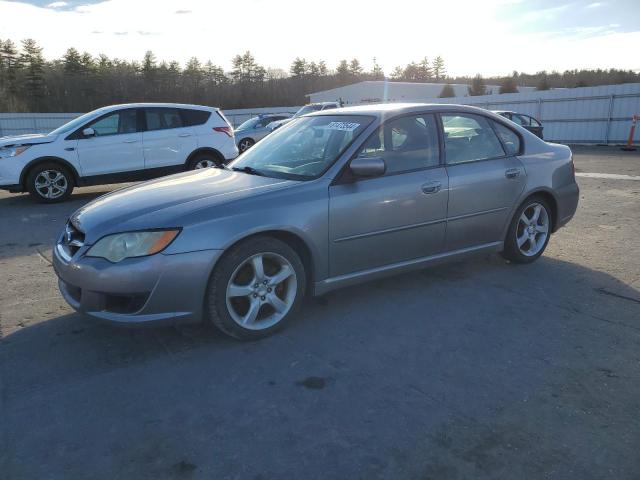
(120, 143)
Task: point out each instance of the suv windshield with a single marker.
(77, 122)
(305, 148)
(308, 109)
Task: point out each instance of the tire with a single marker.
(241, 302)
(204, 160)
(50, 182)
(525, 242)
(245, 144)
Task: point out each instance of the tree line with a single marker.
(79, 82)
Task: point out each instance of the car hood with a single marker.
(32, 139)
(171, 201)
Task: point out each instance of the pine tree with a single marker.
(398, 73)
(8, 64)
(377, 73)
(355, 68)
(439, 71)
(298, 67)
(447, 92)
(342, 70)
(423, 70)
(477, 87)
(31, 63)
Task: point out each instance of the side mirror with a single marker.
(368, 166)
(89, 132)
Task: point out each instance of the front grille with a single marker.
(72, 239)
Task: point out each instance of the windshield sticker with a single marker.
(344, 126)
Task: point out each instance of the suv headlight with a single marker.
(119, 246)
(6, 152)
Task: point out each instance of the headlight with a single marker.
(6, 152)
(119, 246)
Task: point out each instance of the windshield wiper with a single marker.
(249, 170)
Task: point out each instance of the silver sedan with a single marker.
(329, 200)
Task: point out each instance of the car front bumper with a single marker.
(166, 289)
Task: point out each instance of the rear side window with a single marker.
(192, 118)
(510, 139)
(468, 138)
(163, 118)
(405, 144)
(521, 119)
(534, 122)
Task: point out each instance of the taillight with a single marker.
(227, 130)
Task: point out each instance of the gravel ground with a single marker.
(473, 370)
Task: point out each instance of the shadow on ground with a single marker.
(470, 370)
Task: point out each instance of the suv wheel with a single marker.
(245, 144)
(49, 183)
(256, 288)
(529, 231)
(203, 160)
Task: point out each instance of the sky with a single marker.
(491, 37)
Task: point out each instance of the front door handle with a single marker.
(431, 187)
(512, 173)
(184, 135)
(130, 141)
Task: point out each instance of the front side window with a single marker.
(303, 149)
(163, 118)
(405, 144)
(510, 139)
(123, 121)
(468, 138)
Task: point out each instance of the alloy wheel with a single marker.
(51, 184)
(261, 291)
(204, 163)
(533, 229)
(245, 145)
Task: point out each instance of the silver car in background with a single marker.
(255, 129)
(329, 200)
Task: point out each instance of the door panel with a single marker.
(481, 196)
(116, 146)
(166, 142)
(386, 220)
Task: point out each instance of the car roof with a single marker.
(385, 109)
(165, 105)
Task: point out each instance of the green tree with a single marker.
(423, 70)
(31, 63)
(398, 73)
(439, 71)
(355, 68)
(8, 64)
(72, 61)
(477, 87)
(299, 67)
(447, 92)
(342, 70)
(376, 72)
(246, 69)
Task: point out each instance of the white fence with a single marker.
(25, 123)
(572, 115)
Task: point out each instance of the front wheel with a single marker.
(49, 183)
(256, 288)
(529, 231)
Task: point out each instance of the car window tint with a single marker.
(163, 118)
(124, 121)
(405, 144)
(468, 138)
(520, 119)
(192, 118)
(510, 139)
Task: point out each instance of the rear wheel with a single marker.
(204, 160)
(529, 231)
(245, 144)
(49, 183)
(256, 288)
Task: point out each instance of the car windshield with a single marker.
(307, 109)
(77, 122)
(304, 148)
(248, 124)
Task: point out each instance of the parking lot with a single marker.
(473, 370)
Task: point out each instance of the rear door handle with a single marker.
(130, 141)
(512, 173)
(184, 135)
(431, 187)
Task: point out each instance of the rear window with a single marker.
(191, 118)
